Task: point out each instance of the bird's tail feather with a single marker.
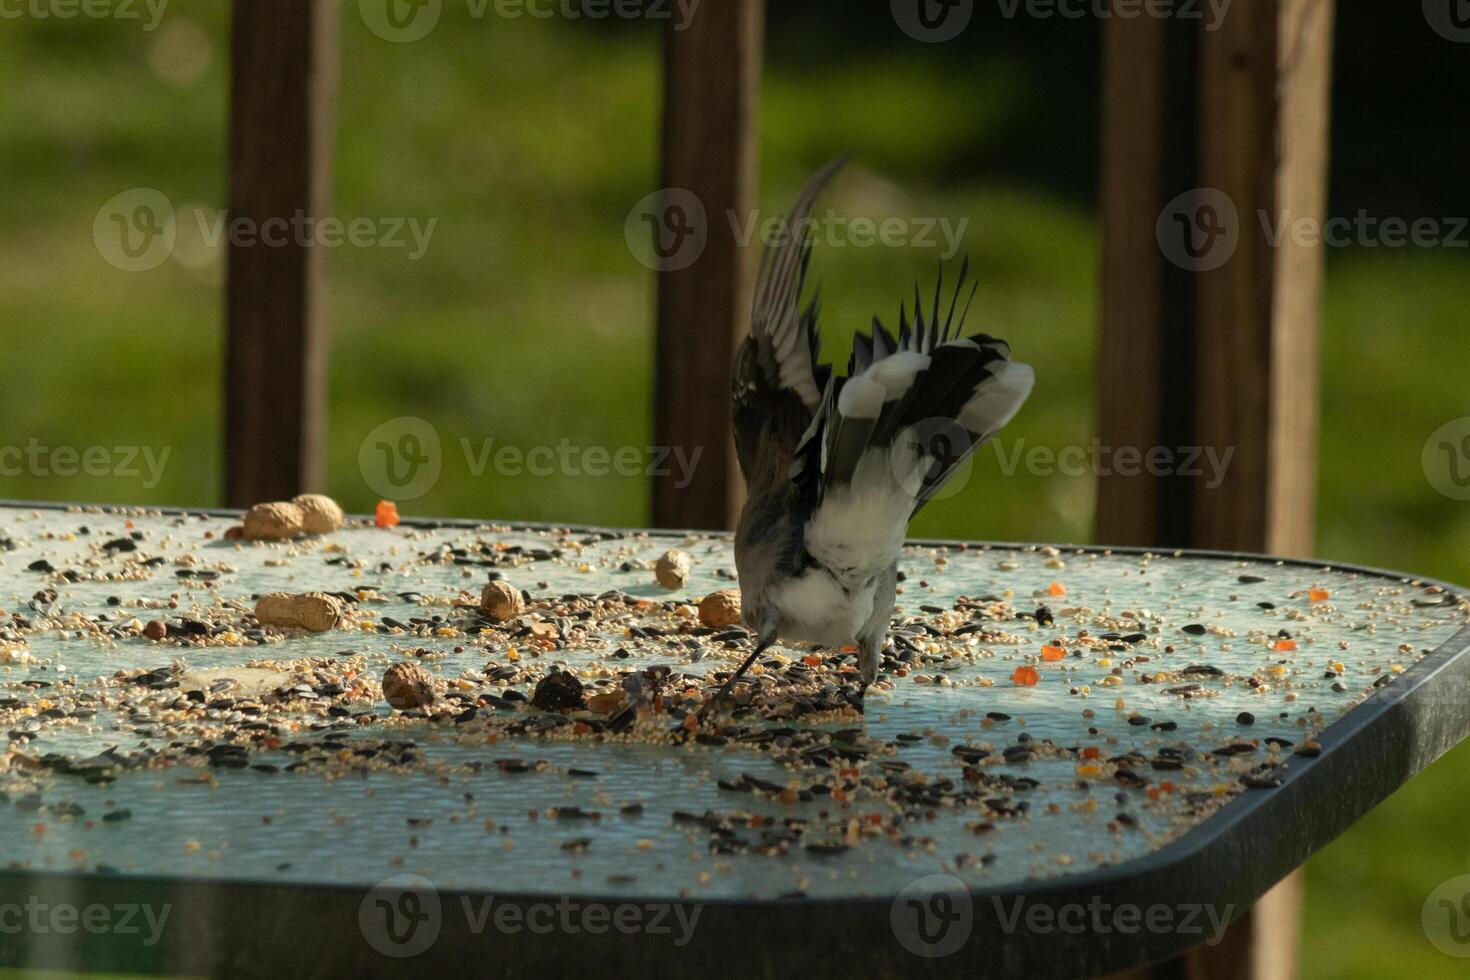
(911, 409)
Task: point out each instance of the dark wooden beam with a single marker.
(1212, 340)
(283, 77)
(711, 94)
(1134, 383)
(1264, 110)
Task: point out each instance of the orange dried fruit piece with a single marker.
(1318, 595)
(386, 514)
(1056, 588)
(812, 660)
(1026, 676)
(1092, 752)
(1052, 654)
(1285, 646)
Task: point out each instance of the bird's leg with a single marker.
(870, 655)
(725, 688)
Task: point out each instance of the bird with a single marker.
(836, 466)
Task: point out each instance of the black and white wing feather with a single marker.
(889, 435)
(779, 377)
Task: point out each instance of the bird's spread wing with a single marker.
(779, 379)
(888, 436)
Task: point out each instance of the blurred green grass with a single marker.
(527, 321)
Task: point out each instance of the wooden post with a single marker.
(711, 93)
(283, 76)
(1210, 326)
(1264, 108)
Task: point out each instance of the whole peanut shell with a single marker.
(315, 612)
(273, 522)
(320, 514)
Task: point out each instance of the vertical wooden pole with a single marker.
(1146, 301)
(711, 95)
(1210, 339)
(283, 77)
(1264, 109)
